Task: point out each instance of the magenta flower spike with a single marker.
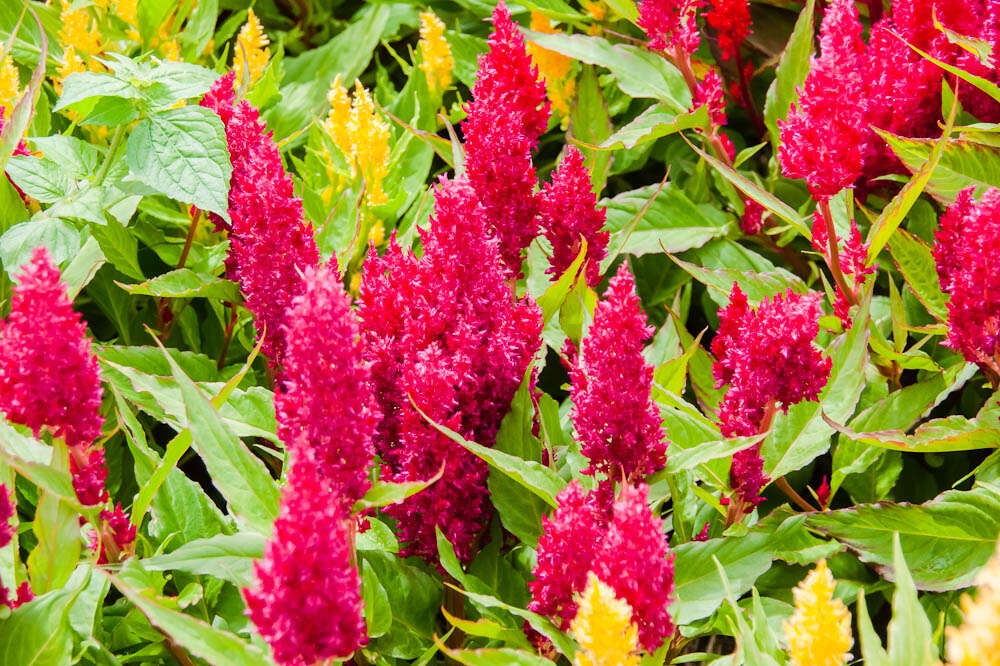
(569, 213)
(731, 21)
(446, 332)
(824, 137)
(627, 440)
(270, 242)
(670, 24)
(326, 406)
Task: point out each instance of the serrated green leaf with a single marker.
(59, 237)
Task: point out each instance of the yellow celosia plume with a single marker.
(78, 31)
(361, 135)
(435, 53)
(819, 631)
(254, 52)
(557, 69)
(603, 626)
(10, 85)
(977, 641)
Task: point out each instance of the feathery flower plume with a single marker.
(250, 53)
(361, 136)
(752, 220)
(49, 377)
(10, 85)
(117, 535)
(270, 241)
(77, 29)
(819, 631)
(603, 626)
(306, 598)
(569, 541)
(709, 92)
(671, 24)
(568, 212)
(555, 68)
(824, 137)
(731, 21)
(767, 357)
(326, 404)
(508, 112)
(128, 12)
(965, 248)
(977, 641)
(627, 440)
(436, 60)
(444, 331)
(636, 562)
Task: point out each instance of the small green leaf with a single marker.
(59, 237)
(653, 123)
(384, 493)
(39, 177)
(916, 263)
(226, 556)
(182, 153)
(186, 283)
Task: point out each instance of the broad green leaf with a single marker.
(910, 639)
(495, 657)
(915, 261)
(186, 283)
(591, 125)
(488, 629)
(653, 123)
(384, 493)
(39, 177)
(182, 153)
(639, 72)
(791, 72)
(201, 639)
(378, 612)
(563, 643)
(757, 286)
(962, 164)
(533, 476)
(38, 633)
(59, 237)
(946, 540)
(173, 81)
(226, 556)
(694, 456)
(802, 434)
(950, 433)
(81, 86)
(698, 588)
(671, 222)
(240, 476)
(415, 598)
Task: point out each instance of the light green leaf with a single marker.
(226, 556)
(38, 633)
(914, 259)
(910, 641)
(962, 164)
(384, 493)
(186, 283)
(791, 72)
(59, 237)
(653, 123)
(757, 285)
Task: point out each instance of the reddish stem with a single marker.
(833, 240)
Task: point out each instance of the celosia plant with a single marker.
(603, 626)
(819, 631)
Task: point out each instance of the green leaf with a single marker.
(378, 612)
(535, 477)
(591, 125)
(240, 476)
(488, 629)
(495, 657)
(671, 222)
(82, 86)
(910, 639)
(39, 177)
(962, 164)
(639, 72)
(802, 434)
(757, 285)
(951, 433)
(563, 643)
(119, 246)
(57, 528)
(698, 588)
(19, 118)
(871, 645)
(186, 283)
(38, 633)
(226, 556)
(415, 598)
(946, 540)
(384, 493)
(790, 73)
(182, 153)
(59, 237)
(695, 456)
(915, 261)
(655, 122)
(201, 639)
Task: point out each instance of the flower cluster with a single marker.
(80, 39)
(555, 68)
(623, 545)
(767, 357)
(436, 60)
(627, 440)
(853, 257)
(49, 377)
(824, 137)
(116, 537)
(306, 599)
(250, 53)
(603, 626)
(819, 631)
(508, 112)
(361, 136)
(10, 85)
(731, 21)
(270, 242)
(977, 641)
(445, 336)
(567, 213)
(965, 246)
(671, 24)
(326, 406)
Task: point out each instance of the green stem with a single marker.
(116, 140)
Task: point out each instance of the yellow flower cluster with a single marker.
(435, 53)
(819, 632)
(10, 86)
(361, 135)
(251, 50)
(977, 641)
(127, 11)
(80, 39)
(557, 69)
(603, 626)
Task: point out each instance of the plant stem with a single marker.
(228, 336)
(832, 239)
(454, 603)
(116, 140)
(784, 486)
(192, 228)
